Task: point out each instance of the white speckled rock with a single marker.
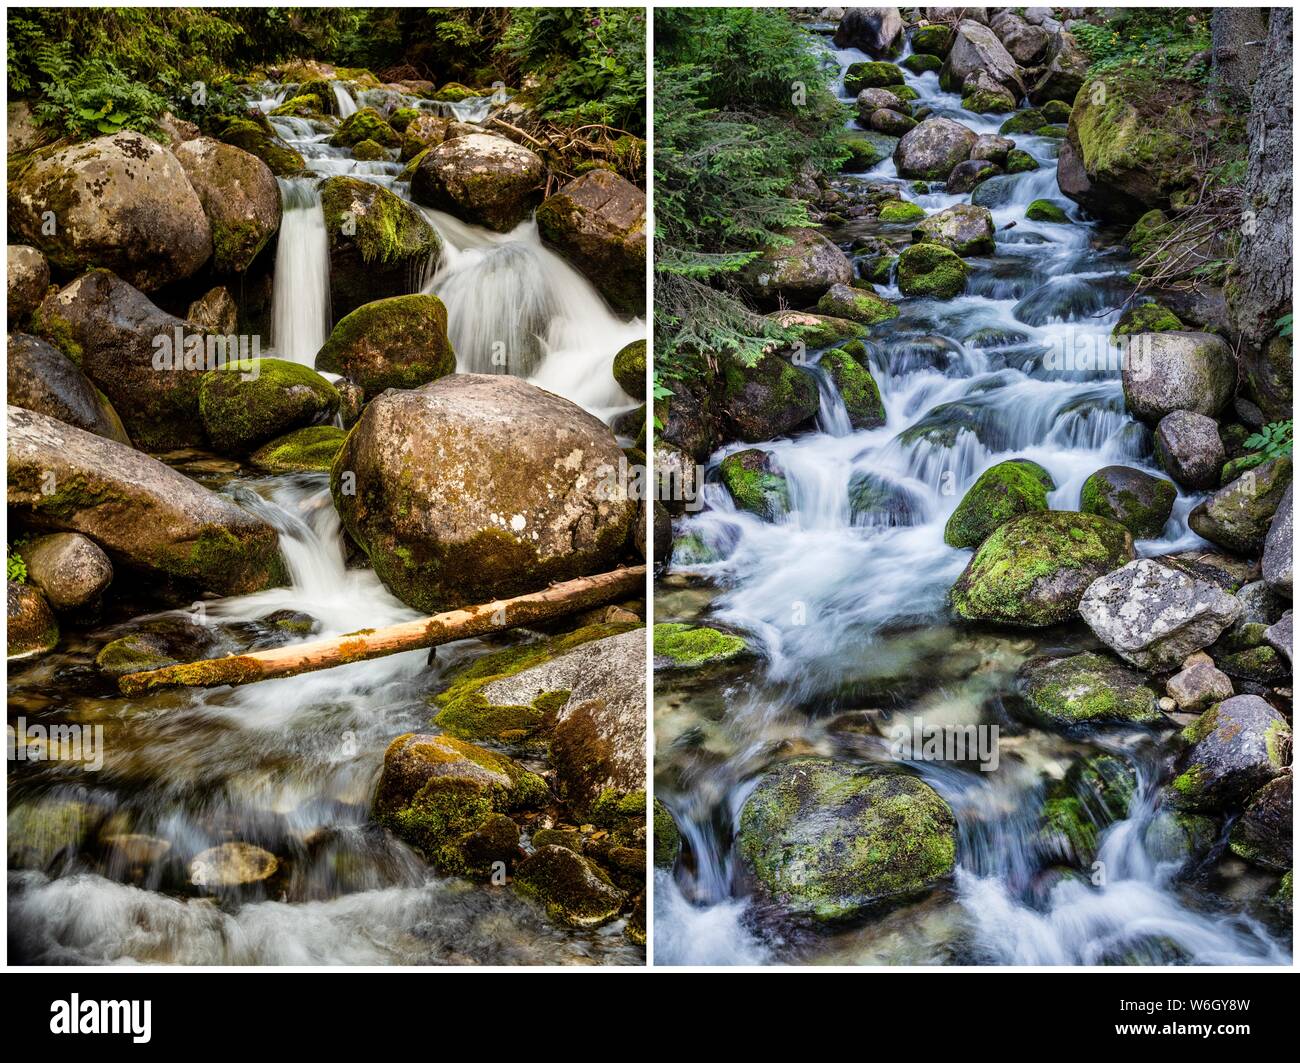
(484, 179)
(1167, 371)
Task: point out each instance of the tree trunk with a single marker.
(1237, 41)
(557, 600)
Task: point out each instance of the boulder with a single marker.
(1263, 833)
(992, 147)
(1008, 489)
(1168, 371)
(1189, 449)
(575, 891)
(857, 388)
(251, 402)
(309, 449)
(483, 179)
(379, 245)
(976, 49)
(1235, 748)
(1238, 516)
(967, 175)
(257, 138)
(929, 269)
(931, 150)
(1026, 43)
(1155, 616)
(755, 483)
(30, 627)
(597, 222)
(239, 195)
(630, 367)
(692, 646)
(768, 399)
(29, 277)
(962, 228)
(878, 31)
(890, 123)
(448, 799)
(69, 569)
(1086, 689)
(129, 349)
(1096, 791)
(829, 840)
(122, 202)
(399, 342)
(365, 124)
(1277, 547)
(425, 130)
(1033, 570)
(215, 311)
(43, 379)
(478, 487)
(1139, 501)
(142, 513)
(856, 304)
(983, 94)
(1064, 74)
(871, 100)
(797, 273)
(160, 642)
(1198, 686)
(933, 39)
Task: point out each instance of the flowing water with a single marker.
(848, 615)
(100, 859)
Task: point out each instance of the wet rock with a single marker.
(1198, 686)
(1033, 570)
(109, 329)
(598, 223)
(1154, 616)
(878, 31)
(934, 39)
(983, 94)
(215, 311)
(1176, 837)
(755, 483)
(478, 487)
(159, 643)
(142, 513)
(856, 304)
(768, 399)
(1263, 833)
(310, 449)
(1009, 489)
(1235, 748)
(966, 175)
(1094, 793)
(365, 124)
(891, 123)
(993, 148)
(870, 100)
(797, 274)
(240, 198)
(1085, 689)
(122, 202)
(232, 866)
(484, 179)
(40, 832)
(1189, 449)
(574, 890)
(251, 402)
(31, 629)
(678, 479)
(976, 49)
(29, 276)
(686, 419)
(1277, 545)
(629, 369)
(866, 149)
(437, 793)
(1147, 317)
(400, 342)
(1064, 74)
(379, 245)
(829, 840)
(43, 379)
(1168, 371)
(667, 838)
(1244, 653)
(928, 269)
(964, 229)
(256, 137)
(931, 150)
(876, 501)
(1238, 516)
(69, 569)
(691, 646)
(1139, 501)
(857, 388)
(1278, 636)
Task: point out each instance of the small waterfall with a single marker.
(300, 304)
(347, 106)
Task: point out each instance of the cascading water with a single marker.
(300, 302)
(343, 100)
(848, 612)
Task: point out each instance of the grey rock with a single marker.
(1190, 450)
(1168, 371)
(70, 569)
(1198, 687)
(1235, 748)
(1278, 546)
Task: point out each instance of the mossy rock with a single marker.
(1057, 112)
(866, 149)
(307, 105)
(310, 449)
(402, 117)
(856, 385)
(258, 140)
(871, 75)
(934, 39)
(1086, 689)
(1009, 489)
(1046, 210)
(1147, 317)
(368, 151)
(1056, 132)
(1139, 501)
(1095, 792)
(900, 210)
(667, 838)
(829, 840)
(365, 124)
(1177, 837)
(986, 101)
(816, 331)
(399, 342)
(1020, 162)
(931, 270)
(31, 627)
(39, 834)
(767, 399)
(455, 92)
(629, 369)
(1033, 570)
(856, 304)
(755, 483)
(575, 891)
(690, 646)
(921, 63)
(1027, 121)
(250, 402)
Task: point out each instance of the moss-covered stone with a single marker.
(1086, 689)
(829, 840)
(871, 75)
(900, 210)
(1020, 162)
(249, 402)
(931, 270)
(689, 646)
(1009, 489)
(856, 304)
(816, 331)
(921, 62)
(307, 105)
(1147, 317)
(575, 891)
(1033, 570)
(368, 151)
(31, 629)
(400, 342)
(365, 124)
(309, 449)
(402, 117)
(629, 369)
(258, 140)
(867, 148)
(1046, 210)
(933, 39)
(1095, 792)
(857, 387)
(755, 483)
(767, 399)
(667, 838)
(1026, 121)
(1238, 516)
(1139, 501)
(988, 101)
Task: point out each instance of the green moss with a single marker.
(986, 101)
(857, 387)
(753, 485)
(1020, 161)
(630, 369)
(1023, 122)
(899, 210)
(934, 39)
(402, 117)
(1009, 489)
(1120, 130)
(871, 75)
(454, 92)
(1148, 317)
(388, 229)
(365, 124)
(368, 151)
(1145, 516)
(241, 414)
(816, 331)
(310, 449)
(1055, 131)
(667, 838)
(921, 63)
(1087, 688)
(857, 304)
(247, 135)
(1046, 210)
(688, 646)
(400, 342)
(304, 106)
(931, 270)
(409, 171)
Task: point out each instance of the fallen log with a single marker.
(557, 600)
